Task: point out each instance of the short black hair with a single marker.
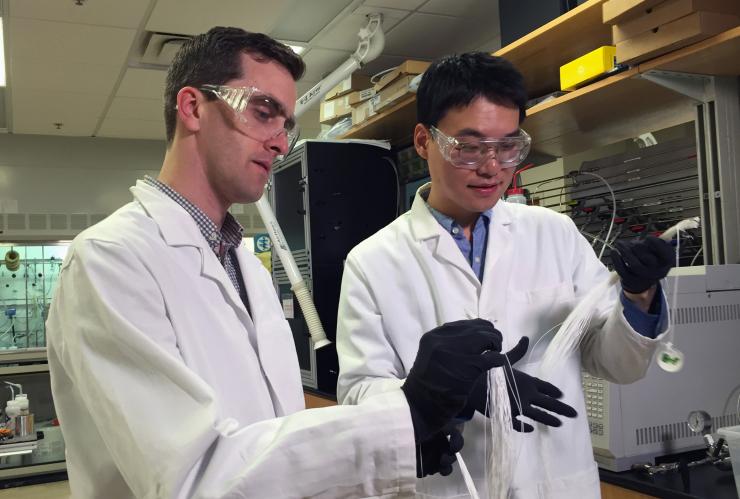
(213, 57)
(455, 81)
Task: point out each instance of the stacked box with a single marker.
(644, 29)
(409, 67)
(338, 101)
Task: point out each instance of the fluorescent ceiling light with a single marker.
(2, 55)
(15, 452)
(298, 49)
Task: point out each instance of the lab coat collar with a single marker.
(179, 229)
(175, 224)
(425, 226)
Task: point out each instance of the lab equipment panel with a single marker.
(654, 188)
(28, 277)
(647, 419)
(327, 197)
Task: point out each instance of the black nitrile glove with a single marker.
(525, 390)
(437, 454)
(641, 263)
(450, 358)
(531, 393)
(478, 398)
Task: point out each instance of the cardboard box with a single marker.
(395, 91)
(674, 35)
(360, 96)
(364, 110)
(668, 11)
(351, 83)
(587, 67)
(333, 110)
(615, 11)
(409, 67)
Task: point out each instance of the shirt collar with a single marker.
(231, 231)
(449, 223)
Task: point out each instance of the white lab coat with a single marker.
(166, 387)
(410, 277)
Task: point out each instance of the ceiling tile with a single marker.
(137, 109)
(307, 18)
(491, 45)
(321, 62)
(396, 4)
(36, 112)
(126, 14)
(191, 17)
(132, 129)
(344, 34)
(47, 42)
(143, 83)
(450, 35)
(483, 11)
(65, 76)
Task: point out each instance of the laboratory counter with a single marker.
(702, 482)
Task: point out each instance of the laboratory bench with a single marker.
(704, 482)
(701, 482)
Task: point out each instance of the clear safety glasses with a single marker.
(261, 116)
(472, 153)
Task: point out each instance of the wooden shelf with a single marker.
(540, 54)
(719, 56)
(610, 110)
(395, 124)
(626, 105)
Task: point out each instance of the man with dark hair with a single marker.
(173, 369)
(462, 253)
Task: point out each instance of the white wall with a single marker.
(64, 176)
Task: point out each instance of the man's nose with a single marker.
(278, 143)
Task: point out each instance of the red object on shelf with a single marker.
(638, 228)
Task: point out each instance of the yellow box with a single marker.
(587, 67)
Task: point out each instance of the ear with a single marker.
(421, 140)
(188, 108)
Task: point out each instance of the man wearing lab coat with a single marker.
(462, 252)
(173, 369)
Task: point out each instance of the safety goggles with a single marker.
(260, 115)
(472, 153)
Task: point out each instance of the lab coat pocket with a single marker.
(537, 312)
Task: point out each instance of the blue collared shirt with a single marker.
(474, 250)
(647, 324)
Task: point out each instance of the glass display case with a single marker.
(28, 277)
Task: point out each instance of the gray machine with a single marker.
(637, 423)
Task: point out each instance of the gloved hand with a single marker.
(530, 392)
(437, 454)
(450, 358)
(525, 390)
(641, 263)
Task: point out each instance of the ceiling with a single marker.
(85, 67)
